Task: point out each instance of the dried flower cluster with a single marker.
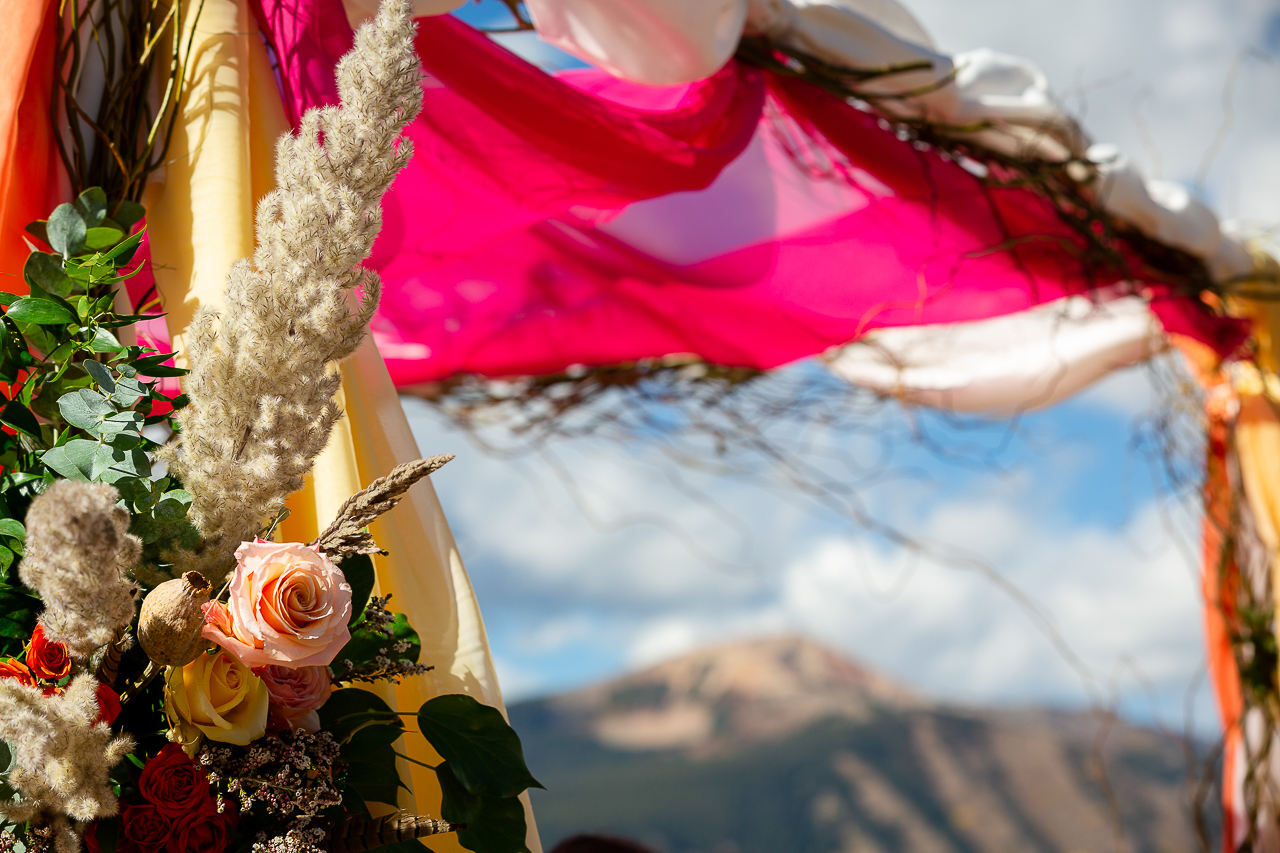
(347, 535)
(387, 665)
(62, 755)
(78, 548)
(262, 379)
(290, 776)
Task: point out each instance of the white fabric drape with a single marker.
(1007, 364)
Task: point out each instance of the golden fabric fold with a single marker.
(201, 221)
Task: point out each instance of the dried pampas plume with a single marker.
(347, 534)
(263, 373)
(62, 758)
(78, 548)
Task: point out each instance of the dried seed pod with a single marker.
(171, 619)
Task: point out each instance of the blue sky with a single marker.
(1066, 504)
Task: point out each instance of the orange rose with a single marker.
(48, 660)
(289, 606)
(17, 670)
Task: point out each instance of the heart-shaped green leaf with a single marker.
(483, 750)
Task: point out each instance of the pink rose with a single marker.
(289, 606)
(296, 695)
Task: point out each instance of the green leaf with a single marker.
(483, 750)
(121, 422)
(373, 782)
(85, 408)
(371, 747)
(104, 341)
(18, 612)
(92, 206)
(111, 464)
(129, 214)
(73, 460)
(97, 239)
(45, 271)
(41, 312)
(19, 417)
(128, 391)
(101, 375)
(358, 570)
(365, 643)
(40, 229)
(12, 527)
(494, 824)
(169, 510)
(351, 708)
(66, 230)
(6, 559)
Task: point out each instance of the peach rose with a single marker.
(296, 694)
(289, 606)
(218, 696)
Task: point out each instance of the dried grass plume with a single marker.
(263, 373)
(347, 534)
(62, 758)
(78, 549)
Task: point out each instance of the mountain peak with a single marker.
(738, 692)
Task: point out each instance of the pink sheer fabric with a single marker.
(748, 219)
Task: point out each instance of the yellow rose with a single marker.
(218, 696)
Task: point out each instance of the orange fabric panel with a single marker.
(29, 172)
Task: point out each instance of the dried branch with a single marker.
(347, 534)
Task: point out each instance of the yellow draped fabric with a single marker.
(201, 221)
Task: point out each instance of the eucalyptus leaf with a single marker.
(128, 214)
(45, 271)
(73, 460)
(85, 408)
(92, 206)
(128, 391)
(483, 750)
(40, 312)
(494, 824)
(121, 422)
(66, 229)
(101, 374)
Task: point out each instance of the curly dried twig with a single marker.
(359, 833)
(347, 534)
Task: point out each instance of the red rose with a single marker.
(108, 705)
(47, 659)
(145, 826)
(17, 670)
(175, 784)
(202, 832)
(123, 845)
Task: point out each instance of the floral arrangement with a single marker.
(171, 678)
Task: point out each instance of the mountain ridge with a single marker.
(783, 744)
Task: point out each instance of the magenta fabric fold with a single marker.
(748, 219)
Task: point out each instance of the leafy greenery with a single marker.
(74, 399)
